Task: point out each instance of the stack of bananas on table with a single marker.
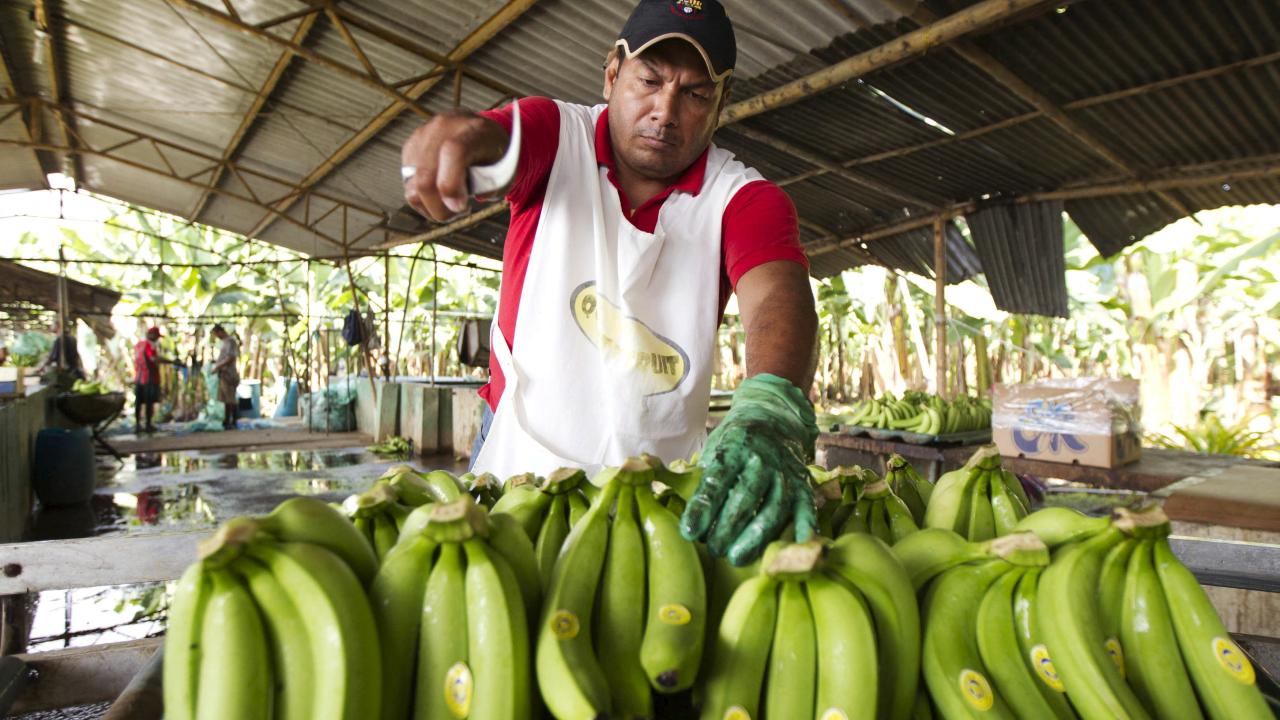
(980, 500)
(413, 599)
(824, 630)
(920, 413)
(626, 608)
(1113, 627)
(273, 621)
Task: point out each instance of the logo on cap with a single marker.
(686, 7)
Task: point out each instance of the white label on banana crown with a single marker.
(737, 712)
(674, 614)
(834, 714)
(976, 690)
(1117, 655)
(1233, 660)
(1044, 668)
(564, 625)
(457, 690)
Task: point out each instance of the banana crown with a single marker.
(371, 501)
(228, 541)
(564, 479)
(1149, 521)
(457, 521)
(523, 480)
(1023, 548)
(794, 561)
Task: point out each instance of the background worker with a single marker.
(146, 378)
(629, 231)
(64, 343)
(228, 376)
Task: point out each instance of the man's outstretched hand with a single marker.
(754, 476)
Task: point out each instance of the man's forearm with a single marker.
(780, 321)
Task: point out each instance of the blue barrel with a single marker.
(64, 472)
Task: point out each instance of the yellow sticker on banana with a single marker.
(654, 364)
(564, 625)
(1044, 668)
(458, 687)
(834, 714)
(1233, 660)
(736, 712)
(674, 614)
(1117, 655)
(976, 690)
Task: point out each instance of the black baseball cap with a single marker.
(702, 23)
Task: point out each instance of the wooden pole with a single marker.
(969, 20)
(940, 305)
(447, 229)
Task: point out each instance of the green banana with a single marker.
(1014, 486)
(620, 621)
(308, 520)
(339, 623)
(671, 650)
(1067, 617)
(527, 504)
(443, 486)
(497, 637)
(385, 534)
(982, 523)
(1058, 526)
(741, 652)
(878, 520)
(1157, 673)
(1033, 649)
(999, 649)
(288, 642)
(1223, 676)
(507, 538)
(901, 523)
(578, 506)
(1005, 509)
(182, 646)
(569, 676)
(846, 650)
(793, 661)
(551, 538)
(949, 506)
(933, 550)
(445, 683)
(1111, 597)
(396, 599)
(235, 667)
(870, 566)
(953, 668)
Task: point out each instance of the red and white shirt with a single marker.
(759, 224)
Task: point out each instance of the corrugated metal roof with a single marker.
(1021, 251)
(188, 79)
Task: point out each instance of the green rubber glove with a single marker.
(754, 475)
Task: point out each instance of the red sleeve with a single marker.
(540, 130)
(760, 226)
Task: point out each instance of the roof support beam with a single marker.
(370, 81)
(50, 33)
(1170, 179)
(449, 228)
(255, 109)
(997, 71)
(27, 117)
(1016, 120)
(473, 42)
(971, 19)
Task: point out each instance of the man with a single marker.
(228, 376)
(64, 344)
(629, 231)
(146, 378)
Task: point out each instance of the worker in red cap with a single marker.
(146, 378)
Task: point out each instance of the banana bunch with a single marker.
(626, 607)
(378, 514)
(547, 509)
(980, 500)
(88, 387)
(835, 492)
(394, 445)
(972, 656)
(1131, 632)
(907, 484)
(483, 488)
(826, 629)
(273, 622)
(879, 512)
(419, 488)
(452, 603)
(921, 413)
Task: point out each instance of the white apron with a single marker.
(616, 331)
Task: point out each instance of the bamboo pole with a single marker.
(969, 20)
(940, 306)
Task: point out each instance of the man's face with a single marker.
(663, 108)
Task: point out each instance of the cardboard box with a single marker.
(1087, 421)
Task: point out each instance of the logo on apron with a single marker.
(655, 364)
